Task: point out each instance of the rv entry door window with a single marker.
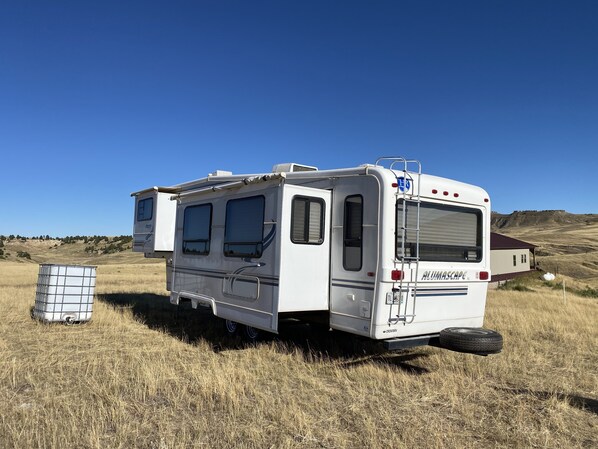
(353, 233)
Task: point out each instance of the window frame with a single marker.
(259, 245)
(208, 241)
(479, 247)
(308, 200)
(143, 201)
(345, 238)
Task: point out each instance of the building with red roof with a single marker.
(510, 257)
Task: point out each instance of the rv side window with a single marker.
(353, 233)
(197, 229)
(446, 233)
(244, 227)
(307, 220)
(145, 209)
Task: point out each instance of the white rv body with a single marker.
(334, 242)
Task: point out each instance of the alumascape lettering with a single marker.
(444, 275)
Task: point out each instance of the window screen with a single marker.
(353, 233)
(145, 209)
(197, 229)
(307, 220)
(244, 227)
(447, 233)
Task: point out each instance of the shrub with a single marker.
(514, 286)
(112, 248)
(24, 255)
(588, 292)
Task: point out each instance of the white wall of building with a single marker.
(503, 261)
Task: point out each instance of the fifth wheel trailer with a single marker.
(382, 251)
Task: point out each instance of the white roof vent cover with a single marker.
(292, 167)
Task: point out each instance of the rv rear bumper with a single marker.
(470, 340)
(394, 344)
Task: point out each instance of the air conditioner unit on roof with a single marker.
(292, 167)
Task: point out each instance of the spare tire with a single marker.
(472, 340)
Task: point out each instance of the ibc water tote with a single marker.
(64, 293)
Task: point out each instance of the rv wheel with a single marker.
(473, 340)
(231, 326)
(251, 333)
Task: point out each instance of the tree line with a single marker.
(69, 238)
(96, 244)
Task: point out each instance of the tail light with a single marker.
(396, 275)
(484, 275)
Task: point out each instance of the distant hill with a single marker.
(69, 250)
(540, 218)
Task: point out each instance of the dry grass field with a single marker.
(141, 375)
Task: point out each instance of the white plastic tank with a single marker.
(65, 293)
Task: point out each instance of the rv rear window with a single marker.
(307, 220)
(145, 209)
(244, 227)
(197, 229)
(446, 233)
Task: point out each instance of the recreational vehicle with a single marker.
(382, 251)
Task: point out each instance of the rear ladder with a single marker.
(408, 194)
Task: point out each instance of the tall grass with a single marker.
(142, 375)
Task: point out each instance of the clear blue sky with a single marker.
(99, 99)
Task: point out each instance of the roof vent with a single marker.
(221, 173)
(292, 167)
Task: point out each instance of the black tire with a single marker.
(251, 334)
(472, 340)
(231, 327)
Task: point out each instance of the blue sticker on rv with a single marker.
(404, 184)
